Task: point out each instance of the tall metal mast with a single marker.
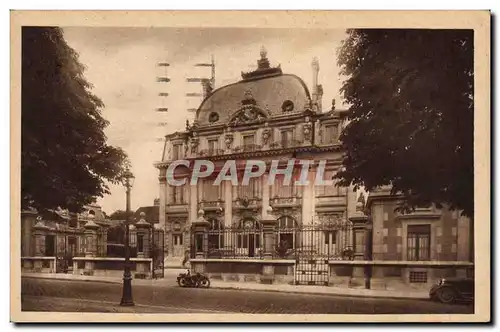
(210, 80)
(163, 79)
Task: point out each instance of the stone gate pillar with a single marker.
(200, 230)
(143, 237)
(359, 224)
(39, 233)
(91, 246)
(143, 231)
(269, 233)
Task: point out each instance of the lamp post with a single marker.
(127, 276)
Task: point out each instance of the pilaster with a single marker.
(265, 195)
(228, 203)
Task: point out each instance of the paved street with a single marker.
(57, 295)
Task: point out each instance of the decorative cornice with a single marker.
(261, 153)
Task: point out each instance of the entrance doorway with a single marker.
(249, 238)
(177, 244)
(50, 245)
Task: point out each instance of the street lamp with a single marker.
(127, 276)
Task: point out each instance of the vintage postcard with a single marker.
(258, 166)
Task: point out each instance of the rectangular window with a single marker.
(331, 238)
(72, 245)
(50, 245)
(177, 239)
(199, 242)
(252, 190)
(286, 138)
(178, 195)
(418, 242)
(213, 146)
(418, 277)
(330, 133)
(177, 152)
(209, 191)
(140, 243)
(327, 190)
(282, 189)
(248, 142)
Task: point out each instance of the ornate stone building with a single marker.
(312, 234)
(267, 115)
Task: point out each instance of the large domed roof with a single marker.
(266, 88)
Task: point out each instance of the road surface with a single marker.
(84, 296)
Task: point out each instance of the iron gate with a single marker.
(157, 253)
(315, 245)
(62, 254)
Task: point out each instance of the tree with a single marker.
(65, 160)
(411, 118)
(120, 215)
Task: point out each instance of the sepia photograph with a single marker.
(250, 166)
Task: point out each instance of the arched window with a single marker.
(249, 237)
(215, 234)
(287, 232)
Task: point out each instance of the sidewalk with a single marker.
(170, 281)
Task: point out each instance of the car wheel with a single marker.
(446, 295)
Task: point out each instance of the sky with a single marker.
(121, 64)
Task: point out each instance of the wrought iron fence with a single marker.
(332, 242)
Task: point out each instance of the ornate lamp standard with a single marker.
(127, 276)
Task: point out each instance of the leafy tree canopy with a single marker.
(411, 118)
(120, 215)
(65, 160)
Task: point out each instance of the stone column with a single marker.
(228, 213)
(228, 203)
(91, 245)
(265, 195)
(193, 202)
(39, 232)
(163, 203)
(307, 200)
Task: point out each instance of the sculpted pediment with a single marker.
(248, 114)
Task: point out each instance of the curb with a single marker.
(64, 279)
(322, 294)
(246, 289)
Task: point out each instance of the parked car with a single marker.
(450, 290)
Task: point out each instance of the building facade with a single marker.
(308, 234)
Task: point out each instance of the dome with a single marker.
(266, 89)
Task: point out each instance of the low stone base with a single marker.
(267, 280)
(377, 283)
(356, 282)
(88, 272)
(339, 281)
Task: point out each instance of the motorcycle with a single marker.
(193, 280)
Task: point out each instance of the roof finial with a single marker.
(263, 52)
